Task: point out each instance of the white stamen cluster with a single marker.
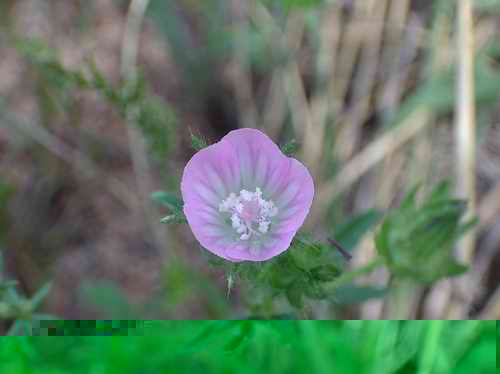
(259, 223)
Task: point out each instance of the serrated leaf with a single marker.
(417, 241)
(290, 148)
(325, 273)
(314, 289)
(155, 122)
(278, 273)
(197, 142)
(307, 254)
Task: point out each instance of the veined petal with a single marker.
(246, 179)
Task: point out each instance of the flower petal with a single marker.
(257, 155)
(245, 159)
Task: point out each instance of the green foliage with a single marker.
(364, 347)
(290, 148)
(293, 4)
(299, 274)
(198, 143)
(417, 240)
(350, 232)
(17, 308)
(179, 283)
(352, 294)
(133, 101)
(437, 92)
(171, 202)
(108, 299)
(59, 80)
(492, 6)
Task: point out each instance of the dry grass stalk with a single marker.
(465, 128)
(371, 155)
(241, 77)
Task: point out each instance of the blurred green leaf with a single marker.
(19, 328)
(325, 273)
(40, 295)
(173, 203)
(290, 148)
(294, 294)
(108, 298)
(417, 240)
(132, 101)
(156, 121)
(351, 232)
(180, 286)
(197, 142)
(292, 4)
(352, 294)
(299, 273)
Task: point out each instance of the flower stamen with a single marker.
(250, 214)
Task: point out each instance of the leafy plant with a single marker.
(20, 310)
(417, 240)
(148, 112)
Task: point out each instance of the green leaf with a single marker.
(156, 122)
(5, 285)
(417, 240)
(325, 273)
(198, 143)
(282, 277)
(40, 295)
(351, 232)
(173, 203)
(382, 239)
(314, 289)
(307, 254)
(44, 317)
(294, 294)
(456, 269)
(109, 299)
(19, 328)
(293, 4)
(357, 294)
(168, 200)
(290, 148)
(179, 285)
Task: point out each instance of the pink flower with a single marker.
(243, 198)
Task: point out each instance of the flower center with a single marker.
(250, 214)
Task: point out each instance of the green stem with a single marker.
(350, 276)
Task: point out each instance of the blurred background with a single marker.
(99, 98)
